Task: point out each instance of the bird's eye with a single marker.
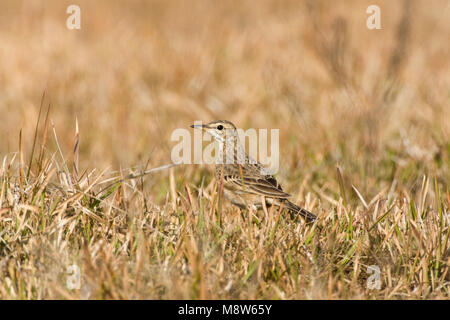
(219, 127)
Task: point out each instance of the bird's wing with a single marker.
(257, 184)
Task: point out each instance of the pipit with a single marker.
(246, 183)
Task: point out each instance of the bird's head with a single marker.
(220, 130)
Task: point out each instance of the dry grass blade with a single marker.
(341, 185)
(21, 164)
(35, 134)
(360, 197)
(364, 138)
(44, 139)
(76, 151)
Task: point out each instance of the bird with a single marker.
(246, 183)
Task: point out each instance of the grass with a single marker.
(364, 142)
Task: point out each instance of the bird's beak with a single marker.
(198, 126)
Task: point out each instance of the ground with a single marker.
(364, 127)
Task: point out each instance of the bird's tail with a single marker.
(293, 208)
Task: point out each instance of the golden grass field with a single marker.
(364, 119)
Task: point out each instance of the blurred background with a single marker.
(375, 102)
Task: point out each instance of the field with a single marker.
(364, 120)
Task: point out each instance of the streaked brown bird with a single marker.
(245, 181)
